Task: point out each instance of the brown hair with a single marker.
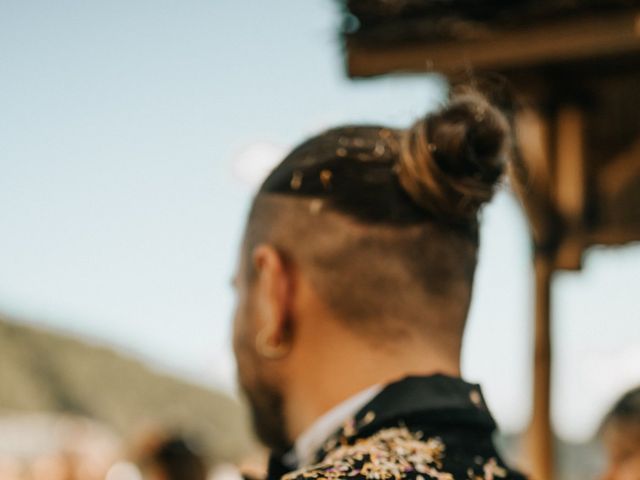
(451, 160)
(385, 220)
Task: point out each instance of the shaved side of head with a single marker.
(384, 280)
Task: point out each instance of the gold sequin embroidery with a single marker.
(390, 454)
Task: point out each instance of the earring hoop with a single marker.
(266, 350)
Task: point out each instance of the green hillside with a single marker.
(50, 372)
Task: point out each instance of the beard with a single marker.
(267, 415)
(265, 397)
(259, 384)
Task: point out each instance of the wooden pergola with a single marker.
(575, 66)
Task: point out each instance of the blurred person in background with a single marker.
(173, 458)
(353, 288)
(621, 437)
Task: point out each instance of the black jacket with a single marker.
(419, 428)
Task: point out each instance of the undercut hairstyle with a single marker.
(385, 221)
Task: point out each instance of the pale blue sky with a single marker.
(120, 212)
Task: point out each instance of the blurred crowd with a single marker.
(45, 447)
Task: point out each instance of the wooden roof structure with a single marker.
(442, 35)
(575, 65)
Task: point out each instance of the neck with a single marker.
(331, 371)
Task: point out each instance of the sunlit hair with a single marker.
(385, 221)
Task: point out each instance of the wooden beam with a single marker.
(570, 169)
(570, 184)
(621, 170)
(615, 236)
(533, 137)
(557, 41)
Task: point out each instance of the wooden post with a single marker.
(570, 186)
(540, 436)
(536, 138)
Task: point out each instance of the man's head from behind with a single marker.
(621, 437)
(358, 261)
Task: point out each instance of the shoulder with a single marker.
(400, 454)
(392, 453)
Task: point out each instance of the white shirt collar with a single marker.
(311, 440)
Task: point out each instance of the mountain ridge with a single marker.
(47, 371)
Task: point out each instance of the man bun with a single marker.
(451, 160)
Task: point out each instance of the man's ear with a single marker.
(273, 300)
